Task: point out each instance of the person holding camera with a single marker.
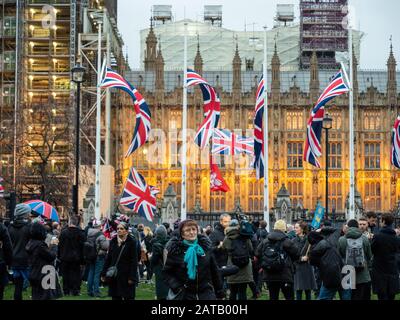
(120, 267)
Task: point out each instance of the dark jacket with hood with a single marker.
(157, 264)
(20, 235)
(362, 276)
(207, 284)
(70, 247)
(292, 255)
(216, 237)
(6, 249)
(40, 254)
(385, 276)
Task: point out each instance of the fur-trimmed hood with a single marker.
(176, 245)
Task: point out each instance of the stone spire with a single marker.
(198, 60)
(314, 78)
(151, 49)
(159, 70)
(237, 71)
(276, 76)
(392, 81)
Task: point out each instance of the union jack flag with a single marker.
(312, 149)
(226, 142)
(1, 187)
(138, 196)
(107, 229)
(211, 108)
(258, 130)
(142, 110)
(395, 152)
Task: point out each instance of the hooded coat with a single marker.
(363, 275)
(292, 255)
(245, 274)
(207, 284)
(216, 237)
(385, 276)
(70, 247)
(157, 264)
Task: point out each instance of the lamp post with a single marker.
(327, 125)
(77, 74)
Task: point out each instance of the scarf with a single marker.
(121, 241)
(190, 259)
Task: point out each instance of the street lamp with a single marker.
(77, 76)
(327, 125)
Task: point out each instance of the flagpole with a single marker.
(98, 127)
(351, 126)
(265, 132)
(184, 124)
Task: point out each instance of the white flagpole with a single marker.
(98, 127)
(184, 124)
(265, 132)
(351, 126)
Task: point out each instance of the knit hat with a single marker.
(22, 211)
(161, 231)
(234, 223)
(280, 225)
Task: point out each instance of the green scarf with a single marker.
(190, 259)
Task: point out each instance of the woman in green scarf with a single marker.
(190, 268)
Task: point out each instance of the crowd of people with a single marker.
(187, 262)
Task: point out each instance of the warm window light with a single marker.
(145, 151)
(54, 111)
(54, 128)
(54, 78)
(31, 77)
(55, 44)
(55, 28)
(31, 110)
(31, 44)
(54, 95)
(30, 161)
(32, 27)
(55, 60)
(30, 144)
(31, 61)
(30, 94)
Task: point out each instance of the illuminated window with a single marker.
(372, 120)
(373, 196)
(175, 120)
(295, 155)
(335, 196)
(372, 155)
(336, 116)
(294, 120)
(335, 155)
(296, 192)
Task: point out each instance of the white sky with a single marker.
(377, 19)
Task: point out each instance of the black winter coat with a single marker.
(20, 235)
(291, 250)
(70, 247)
(208, 284)
(385, 275)
(127, 267)
(6, 249)
(157, 264)
(216, 237)
(40, 255)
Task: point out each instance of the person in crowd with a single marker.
(70, 253)
(40, 255)
(6, 252)
(325, 256)
(56, 229)
(291, 233)
(372, 218)
(148, 237)
(89, 226)
(168, 228)
(190, 269)
(385, 245)
(217, 237)
(355, 250)
(304, 278)
(240, 250)
(122, 256)
(208, 230)
(364, 227)
(19, 230)
(96, 247)
(276, 255)
(157, 261)
(262, 231)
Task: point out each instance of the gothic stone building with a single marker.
(291, 97)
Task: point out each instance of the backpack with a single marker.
(246, 229)
(240, 253)
(273, 257)
(331, 268)
(355, 253)
(90, 249)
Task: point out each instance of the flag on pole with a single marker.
(226, 142)
(217, 182)
(211, 108)
(312, 149)
(258, 130)
(138, 196)
(395, 151)
(143, 116)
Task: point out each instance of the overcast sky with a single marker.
(378, 19)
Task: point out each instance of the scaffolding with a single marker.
(322, 31)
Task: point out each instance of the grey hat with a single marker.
(22, 211)
(234, 223)
(161, 231)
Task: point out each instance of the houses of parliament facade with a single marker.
(292, 95)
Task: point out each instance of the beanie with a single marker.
(161, 231)
(280, 225)
(22, 211)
